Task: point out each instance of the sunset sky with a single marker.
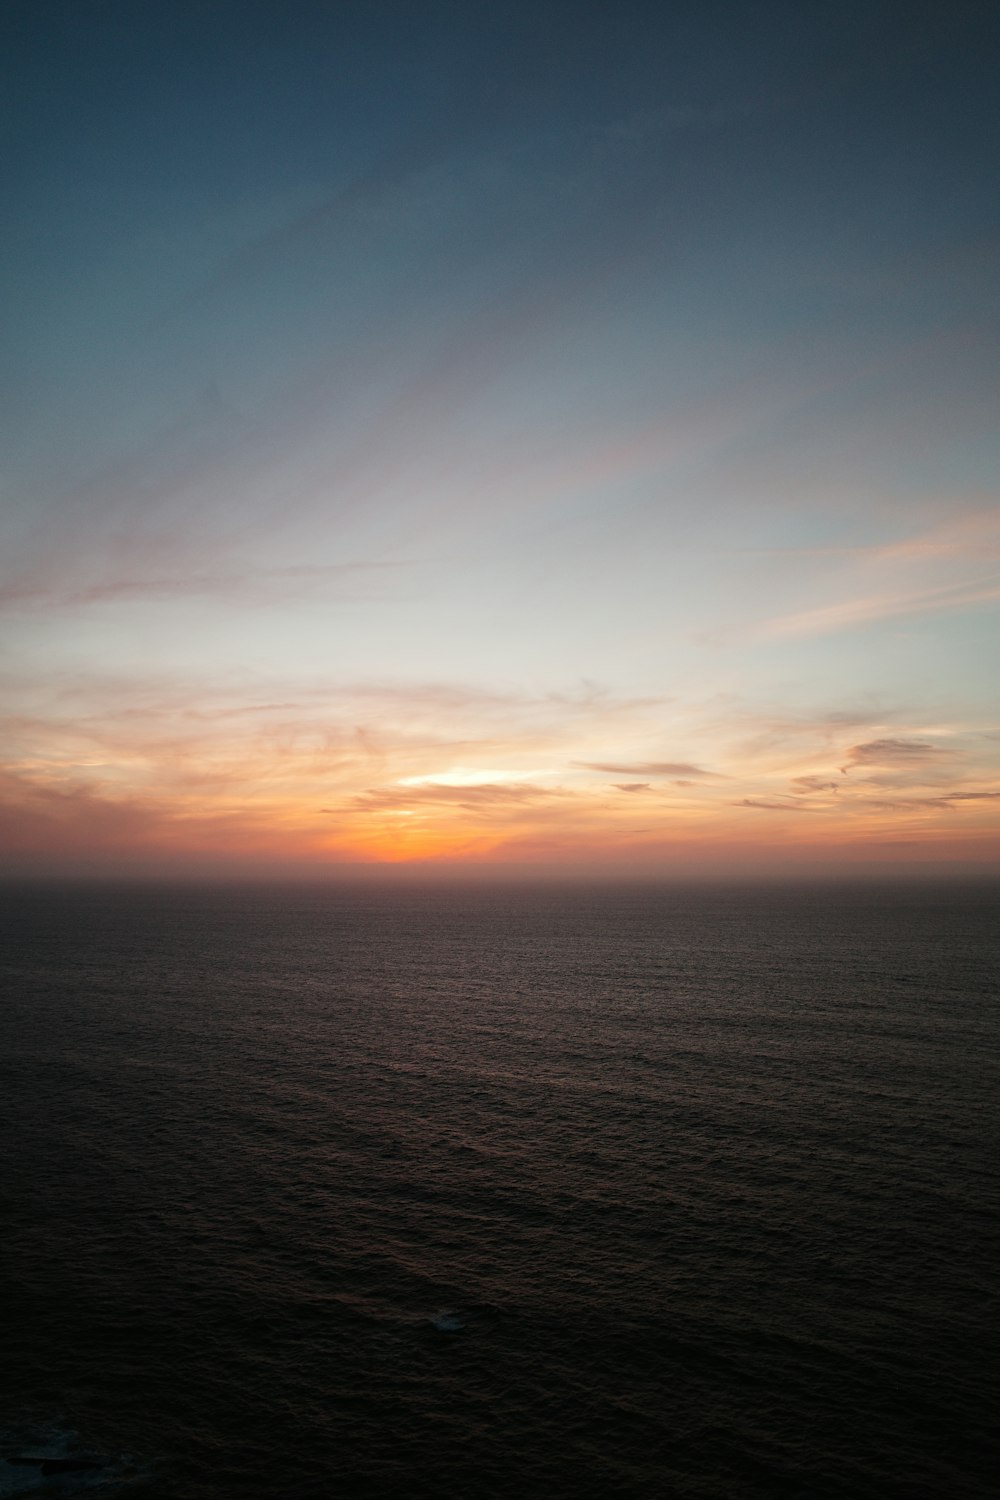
(548, 437)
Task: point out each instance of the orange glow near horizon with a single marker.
(892, 800)
(570, 473)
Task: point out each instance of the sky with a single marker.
(551, 438)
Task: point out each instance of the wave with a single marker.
(448, 1322)
(49, 1458)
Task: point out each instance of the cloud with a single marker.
(815, 784)
(486, 794)
(893, 753)
(631, 786)
(772, 806)
(251, 586)
(851, 612)
(645, 768)
(974, 536)
(66, 813)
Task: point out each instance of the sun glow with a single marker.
(410, 490)
(478, 776)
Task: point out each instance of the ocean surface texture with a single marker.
(510, 1192)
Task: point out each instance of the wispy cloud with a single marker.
(645, 768)
(502, 794)
(252, 586)
(893, 752)
(771, 806)
(849, 613)
(948, 566)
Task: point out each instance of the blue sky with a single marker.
(411, 410)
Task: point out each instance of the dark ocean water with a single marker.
(509, 1192)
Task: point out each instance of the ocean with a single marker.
(526, 1191)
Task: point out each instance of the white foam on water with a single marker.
(32, 1460)
(447, 1322)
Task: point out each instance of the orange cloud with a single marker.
(442, 774)
(646, 768)
(893, 753)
